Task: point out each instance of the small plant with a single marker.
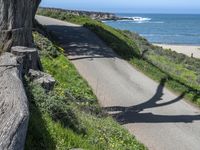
(48, 48)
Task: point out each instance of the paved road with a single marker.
(157, 117)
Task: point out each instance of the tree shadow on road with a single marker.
(134, 114)
(78, 43)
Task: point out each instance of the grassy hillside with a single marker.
(177, 65)
(182, 73)
(69, 116)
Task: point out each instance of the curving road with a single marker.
(157, 117)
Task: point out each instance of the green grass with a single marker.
(46, 134)
(183, 75)
(65, 73)
(180, 66)
(69, 116)
(175, 69)
(63, 16)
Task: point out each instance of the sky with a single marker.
(129, 6)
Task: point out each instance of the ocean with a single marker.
(162, 28)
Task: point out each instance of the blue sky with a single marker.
(132, 6)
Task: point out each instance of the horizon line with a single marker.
(118, 12)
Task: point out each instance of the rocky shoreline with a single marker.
(91, 14)
(101, 16)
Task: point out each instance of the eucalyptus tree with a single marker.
(16, 18)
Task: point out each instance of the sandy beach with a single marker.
(184, 49)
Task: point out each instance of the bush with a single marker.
(58, 107)
(47, 47)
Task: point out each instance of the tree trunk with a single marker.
(15, 23)
(36, 4)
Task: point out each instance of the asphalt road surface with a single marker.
(157, 117)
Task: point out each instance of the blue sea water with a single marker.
(163, 28)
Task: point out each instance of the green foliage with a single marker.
(116, 39)
(66, 75)
(48, 48)
(62, 15)
(46, 132)
(172, 82)
(57, 106)
(70, 117)
(107, 134)
(53, 123)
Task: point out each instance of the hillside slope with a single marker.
(69, 116)
(140, 104)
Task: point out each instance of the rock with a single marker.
(44, 79)
(14, 112)
(29, 57)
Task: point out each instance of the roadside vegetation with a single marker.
(182, 72)
(69, 116)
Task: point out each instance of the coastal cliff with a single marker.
(91, 14)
